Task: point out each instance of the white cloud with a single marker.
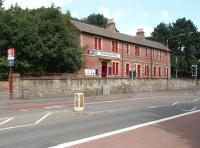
(61, 2)
(26, 3)
(35, 3)
(105, 11)
(146, 14)
(147, 30)
(116, 13)
(165, 15)
(74, 13)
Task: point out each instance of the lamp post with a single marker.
(167, 44)
(169, 66)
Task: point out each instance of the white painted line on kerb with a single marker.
(54, 106)
(195, 100)
(41, 119)
(8, 119)
(64, 145)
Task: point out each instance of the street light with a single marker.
(167, 44)
(177, 63)
(167, 41)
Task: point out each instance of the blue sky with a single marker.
(129, 15)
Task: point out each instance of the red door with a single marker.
(104, 69)
(127, 69)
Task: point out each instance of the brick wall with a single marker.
(155, 57)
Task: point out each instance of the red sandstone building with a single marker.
(113, 54)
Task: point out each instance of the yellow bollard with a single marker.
(78, 101)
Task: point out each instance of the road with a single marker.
(104, 120)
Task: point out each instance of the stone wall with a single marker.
(4, 85)
(32, 88)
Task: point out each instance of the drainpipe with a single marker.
(151, 64)
(122, 60)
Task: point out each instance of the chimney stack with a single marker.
(110, 25)
(140, 33)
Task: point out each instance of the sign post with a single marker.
(11, 53)
(194, 74)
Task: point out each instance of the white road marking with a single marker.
(157, 106)
(195, 100)
(24, 110)
(121, 100)
(26, 125)
(2, 129)
(153, 106)
(41, 119)
(175, 103)
(64, 145)
(8, 119)
(54, 106)
(190, 109)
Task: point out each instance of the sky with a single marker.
(129, 15)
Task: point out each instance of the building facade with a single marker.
(113, 54)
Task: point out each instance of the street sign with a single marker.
(10, 63)
(11, 53)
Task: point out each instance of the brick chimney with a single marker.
(110, 25)
(140, 33)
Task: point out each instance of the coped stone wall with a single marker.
(34, 88)
(4, 85)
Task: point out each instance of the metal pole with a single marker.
(11, 85)
(176, 69)
(195, 89)
(168, 71)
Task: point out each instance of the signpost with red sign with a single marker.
(11, 55)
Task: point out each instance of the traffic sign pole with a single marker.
(11, 85)
(11, 55)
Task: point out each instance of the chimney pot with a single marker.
(110, 25)
(140, 33)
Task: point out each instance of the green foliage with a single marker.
(93, 19)
(97, 20)
(44, 39)
(184, 42)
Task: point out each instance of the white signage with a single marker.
(108, 54)
(89, 72)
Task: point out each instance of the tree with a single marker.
(160, 33)
(183, 39)
(1, 4)
(96, 20)
(44, 39)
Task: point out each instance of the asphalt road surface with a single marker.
(159, 120)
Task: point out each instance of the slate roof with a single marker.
(83, 27)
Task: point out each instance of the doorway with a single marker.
(104, 69)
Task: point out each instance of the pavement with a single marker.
(181, 132)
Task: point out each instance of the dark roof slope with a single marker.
(119, 36)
